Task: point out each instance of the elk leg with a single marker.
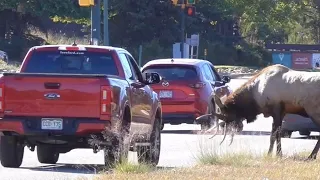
(272, 138)
(276, 129)
(279, 117)
(314, 152)
(278, 138)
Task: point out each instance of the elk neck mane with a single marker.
(242, 101)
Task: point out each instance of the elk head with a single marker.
(231, 122)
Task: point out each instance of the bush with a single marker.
(17, 46)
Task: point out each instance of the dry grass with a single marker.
(52, 38)
(228, 166)
(8, 67)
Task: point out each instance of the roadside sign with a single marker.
(194, 40)
(283, 58)
(301, 60)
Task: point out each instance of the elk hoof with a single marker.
(311, 158)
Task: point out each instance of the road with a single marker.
(180, 146)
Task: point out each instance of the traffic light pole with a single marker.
(95, 23)
(182, 31)
(106, 23)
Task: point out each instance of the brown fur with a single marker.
(241, 101)
(243, 104)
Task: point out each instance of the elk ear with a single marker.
(217, 100)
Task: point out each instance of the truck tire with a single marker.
(119, 150)
(151, 154)
(11, 152)
(285, 133)
(304, 133)
(117, 153)
(47, 154)
(162, 126)
(205, 125)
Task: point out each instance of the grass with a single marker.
(53, 38)
(211, 165)
(130, 168)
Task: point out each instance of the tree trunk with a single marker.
(3, 24)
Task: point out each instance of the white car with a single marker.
(4, 56)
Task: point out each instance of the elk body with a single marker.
(275, 91)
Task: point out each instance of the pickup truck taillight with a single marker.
(1, 97)
(106, 99)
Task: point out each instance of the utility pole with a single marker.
(106, 40)
(182, 29)
(185, 5)
(95, 22)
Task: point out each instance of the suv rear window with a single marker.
(174, 72)
(71, 62)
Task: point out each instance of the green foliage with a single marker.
(155, 25)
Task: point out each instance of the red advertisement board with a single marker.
(301, 60)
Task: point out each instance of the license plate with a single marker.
(165, 94)
(51, 123)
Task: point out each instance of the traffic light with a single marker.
(86, 3)
(191, 2)
(190, 10)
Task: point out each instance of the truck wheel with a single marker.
(304, 133)
(151, 154)
(205, 125)
(47, 155)
(117, 153)
(11, 152)
(286, 134)
(119, 150)
(162, 126)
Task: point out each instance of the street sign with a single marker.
(194, 40)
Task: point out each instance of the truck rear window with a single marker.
(174, 72)
(71, 62)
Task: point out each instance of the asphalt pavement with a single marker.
(180, 146)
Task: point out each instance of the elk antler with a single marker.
(232, 135)
(225, 133)
(217, 126)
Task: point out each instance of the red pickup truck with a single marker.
(79, 96)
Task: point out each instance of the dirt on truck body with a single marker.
(80, 96)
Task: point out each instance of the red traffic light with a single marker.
(190, 10)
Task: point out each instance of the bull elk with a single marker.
(275, 91)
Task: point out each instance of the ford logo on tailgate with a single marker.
(52, 96)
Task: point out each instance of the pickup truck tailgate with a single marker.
(51, 96)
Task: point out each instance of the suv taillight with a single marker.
(197, 85)
(105, 100)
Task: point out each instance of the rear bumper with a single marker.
(71, 126)
(293, 122)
